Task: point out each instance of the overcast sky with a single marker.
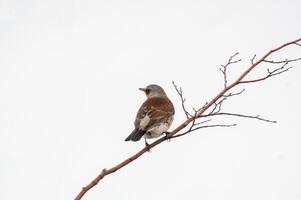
(69, 78)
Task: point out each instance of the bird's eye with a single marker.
(147, 91)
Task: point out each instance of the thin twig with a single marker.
(223, 68)
(201, 108)
(253, 58)
(241, 115)
(216, 125)
(180, 92)
(270, 74)
(206, 126)
(203, 122)
(218, 106)
(282, 61)
(234, 94)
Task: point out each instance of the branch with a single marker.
(190, 120)
(270, 74)
(223, 68)
(180, 92)
(233, 94)
(207, 126)
(241, 115)
(218, 105)
(282, 61)
(253, 58)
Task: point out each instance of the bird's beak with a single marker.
(142, 89)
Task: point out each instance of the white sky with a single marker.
(69, 73)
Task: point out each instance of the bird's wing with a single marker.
(153, 111)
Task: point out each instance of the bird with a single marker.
(155, 115)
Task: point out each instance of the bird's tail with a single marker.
(136, 135)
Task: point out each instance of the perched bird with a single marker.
(154, 116)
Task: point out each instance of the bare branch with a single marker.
(218, 106)
(223, 68)
(282, 61)
(252, 60)
(199, 114)
(201, 108)
(216, 125)
(241, 115)
(203, 122)
(180, 92)
(193, 122)
(206, 126)
(191, 128)
(233, 94)
(272, 73)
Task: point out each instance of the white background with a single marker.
(69, 73)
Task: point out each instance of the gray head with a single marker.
(153, 91)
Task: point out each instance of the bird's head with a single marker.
(153, 91)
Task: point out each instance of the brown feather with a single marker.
(157, 108)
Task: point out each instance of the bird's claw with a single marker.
(146, 145)
(167, 136)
